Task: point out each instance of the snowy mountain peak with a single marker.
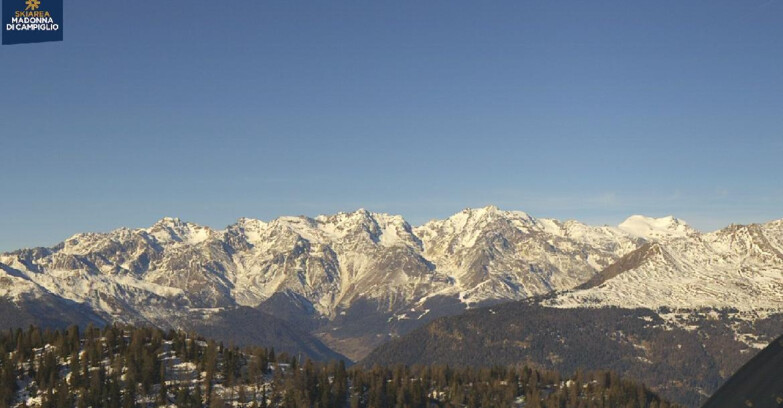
(244, 222)
(656, 228)
(250, 228)
(171, 229)
(169, 220)
(489, 209)
(471, 216)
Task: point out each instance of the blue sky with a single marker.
(211, 111)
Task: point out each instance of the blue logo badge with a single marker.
(32, 21)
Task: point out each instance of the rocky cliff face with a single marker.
(322, 272)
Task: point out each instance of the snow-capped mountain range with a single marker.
(738, 267)
(335, 271)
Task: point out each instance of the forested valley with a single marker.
(121, 366)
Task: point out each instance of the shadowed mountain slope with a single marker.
(683, 363)
(758, 384)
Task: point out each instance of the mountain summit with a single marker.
(656, 228)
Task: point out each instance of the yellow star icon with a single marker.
(32, 4)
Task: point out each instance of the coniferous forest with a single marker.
(118, 366)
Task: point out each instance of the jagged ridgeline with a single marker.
(124, 366)
(349, 282)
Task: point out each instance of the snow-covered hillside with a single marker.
(738, 267)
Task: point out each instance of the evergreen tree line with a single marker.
(122, 367)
